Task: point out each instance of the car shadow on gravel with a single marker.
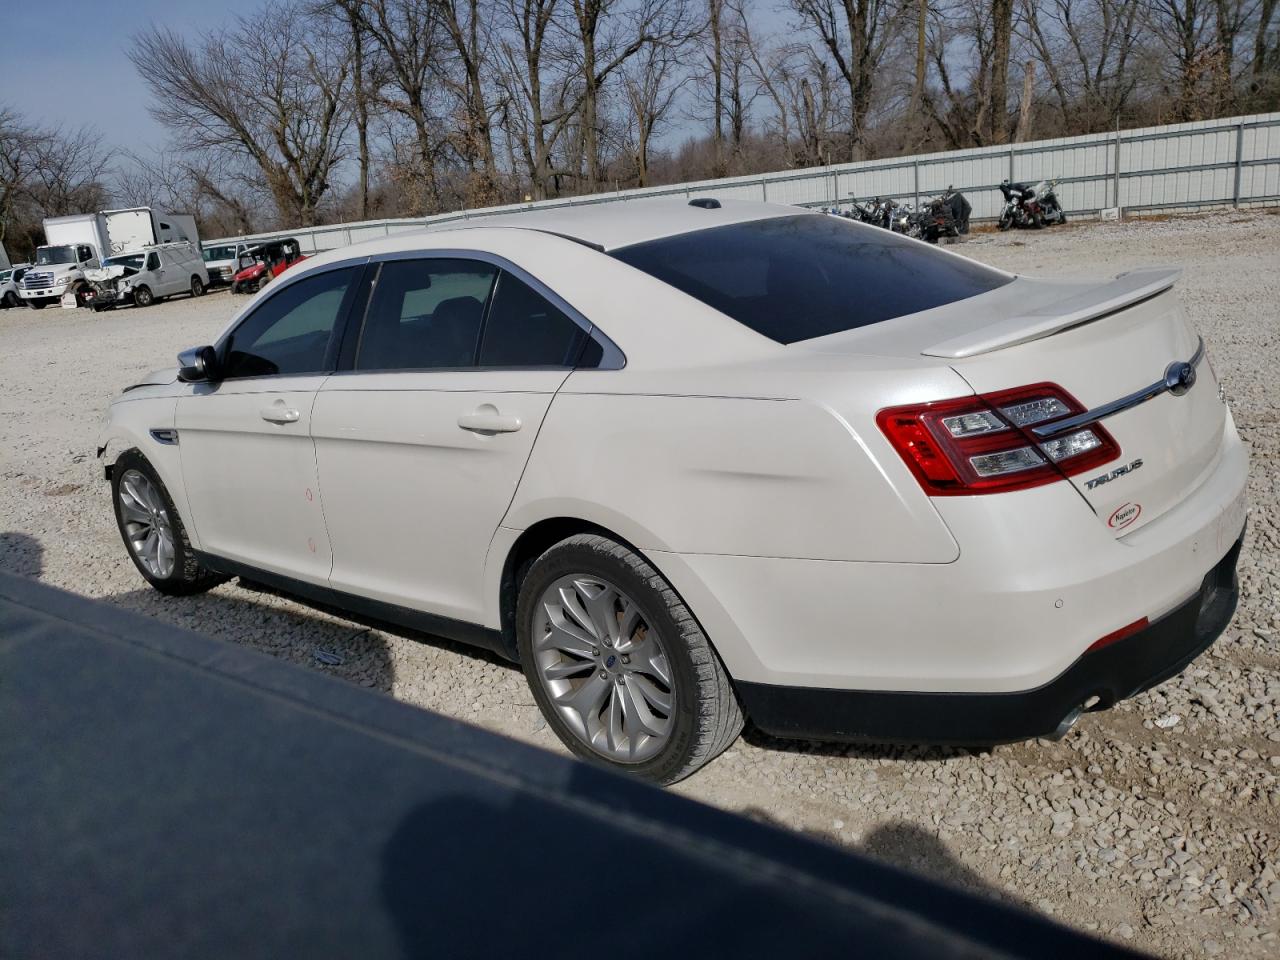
(907, 846)
(860, 751)
(21, 554)
(340, 644)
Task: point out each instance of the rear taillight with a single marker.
(983, 444)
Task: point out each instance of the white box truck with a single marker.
(81, 242)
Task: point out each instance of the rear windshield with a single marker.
(796, 278)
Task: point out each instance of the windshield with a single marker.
(133, 260)
(795, 278)
(47, 256)
(219, 253)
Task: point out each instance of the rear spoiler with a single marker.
(1124, 291)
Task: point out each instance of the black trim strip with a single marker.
(472, 634)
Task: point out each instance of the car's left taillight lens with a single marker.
(983, 444)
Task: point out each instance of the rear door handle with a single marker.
(279, 414)
(488, 420)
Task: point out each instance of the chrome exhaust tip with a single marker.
(1069, 721)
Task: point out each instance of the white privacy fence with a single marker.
(1229, 162)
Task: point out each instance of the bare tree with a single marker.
(652, 82)
(70, 172)
(463, 22)
(536, 75)
(407, 34)
(997, 107)
(20, 149)
(274, 91)
(608, 33)
(856, 34)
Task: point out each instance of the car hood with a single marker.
(110, 273)
(156, 378)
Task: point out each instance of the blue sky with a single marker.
(78, 73)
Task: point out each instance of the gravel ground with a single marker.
(1156, 823)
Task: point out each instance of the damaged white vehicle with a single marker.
(143, 277)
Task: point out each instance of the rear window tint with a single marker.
(796, 278)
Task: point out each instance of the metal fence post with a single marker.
(915, 169)
(1115, 173)
(1235, 196)
(1011, 163)
(764, 190)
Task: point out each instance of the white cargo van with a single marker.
(222, 259)
(145, 276)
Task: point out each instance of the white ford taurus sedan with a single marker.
(694, 463)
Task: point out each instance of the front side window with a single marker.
(290, 333)
(153, 261)
(425, 314)
(524, 329)
(799, 277)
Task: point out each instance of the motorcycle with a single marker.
(1030, 206)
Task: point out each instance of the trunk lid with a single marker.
(1100, 343)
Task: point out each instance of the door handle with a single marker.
(279, 414)
(487, 419)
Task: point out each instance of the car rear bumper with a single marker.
(1110, 674)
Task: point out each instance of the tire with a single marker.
(12, 300)
(197, 287)
(143, 297)
(262, 282)
(36, 304)
(702, 715)
(1005, 221)
(153, 509)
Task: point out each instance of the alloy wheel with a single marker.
(604, 668)
(147, 528)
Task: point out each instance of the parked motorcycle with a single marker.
(1033, 206)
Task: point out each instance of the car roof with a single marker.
(616, 224)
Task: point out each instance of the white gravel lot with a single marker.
(1156, 823)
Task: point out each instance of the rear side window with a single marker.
(796, 278)
(524, 329)
(425, 314)
(291, 331)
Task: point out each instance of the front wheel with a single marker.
(11, 299)
(619, 667)
(197, 287)
(36, 304)
(1006, 220)
(143, 297)
(152, 531)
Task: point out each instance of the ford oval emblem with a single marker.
(1124, 515)
(1179, 378)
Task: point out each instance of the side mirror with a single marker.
(197, 365)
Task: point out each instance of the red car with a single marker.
(263, 262)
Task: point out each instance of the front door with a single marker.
(248, 461)
(422, 445)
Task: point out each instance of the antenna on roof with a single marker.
(706, 203)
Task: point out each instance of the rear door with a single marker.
(421, 445)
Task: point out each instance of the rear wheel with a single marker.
(152, 531)
(618, 665)
(143, 296)
(197, 287)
